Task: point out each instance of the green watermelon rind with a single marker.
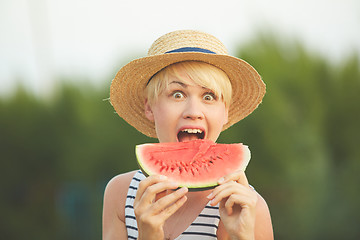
(191, 187)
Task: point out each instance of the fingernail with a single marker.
(174, 185)
(210, 196)
(183, 190)
(221, 180)
(162, 177)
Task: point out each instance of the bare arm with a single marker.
(114, 207)
(263, 225)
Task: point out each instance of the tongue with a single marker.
(183, 137)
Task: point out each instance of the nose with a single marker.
(193, 109)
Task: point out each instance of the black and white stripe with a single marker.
(203, 228)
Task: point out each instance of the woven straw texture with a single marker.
(127, 88)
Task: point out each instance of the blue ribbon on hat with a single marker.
(191, 49)
(188, 49)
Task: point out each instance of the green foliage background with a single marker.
(57, 154)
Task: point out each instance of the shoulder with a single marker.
(115, 193)
(119, 181)
(114, 206)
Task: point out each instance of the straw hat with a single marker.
(127, 88)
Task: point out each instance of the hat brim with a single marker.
(127, 88)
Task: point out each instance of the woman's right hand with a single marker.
(151, 211)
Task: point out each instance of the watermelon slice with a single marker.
(196, 164)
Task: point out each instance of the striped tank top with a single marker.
(203, 228)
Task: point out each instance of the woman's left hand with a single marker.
(237, 205)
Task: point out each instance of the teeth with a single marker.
(192, 130)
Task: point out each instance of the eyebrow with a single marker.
(184, 85)
(180, 83)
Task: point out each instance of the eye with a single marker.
(209, 97)
(177, 95)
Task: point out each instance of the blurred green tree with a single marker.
(303, 139)
(57, 154)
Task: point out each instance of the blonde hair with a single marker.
(203, 74)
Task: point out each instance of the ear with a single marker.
(148, 111)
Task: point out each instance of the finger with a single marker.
(222, 187)
(228, 205)
(147, 182)
(173, 208)
(145, 203)
(149, 189)
(153, 190)
(226, 190)
(169, 204)
(169, 199)
(238, 176)
(243, 179)
(235, 200)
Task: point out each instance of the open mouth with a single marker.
(189, 134)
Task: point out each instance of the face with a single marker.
(185, 111)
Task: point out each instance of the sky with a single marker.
(89, 40)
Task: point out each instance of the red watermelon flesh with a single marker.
(196, 164)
